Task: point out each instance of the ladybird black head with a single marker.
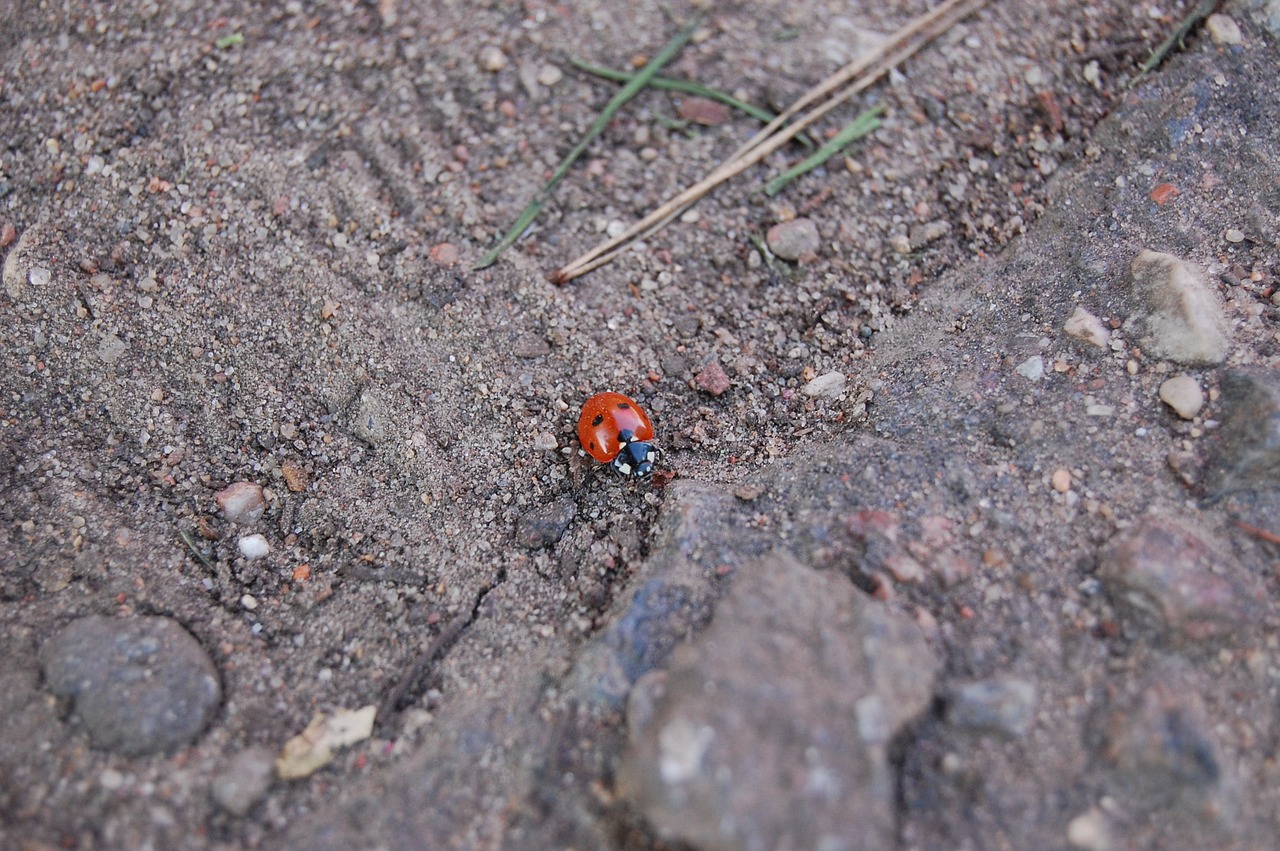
(635, 459)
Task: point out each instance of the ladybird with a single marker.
(616, 431)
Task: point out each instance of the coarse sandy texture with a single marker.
(246, 259)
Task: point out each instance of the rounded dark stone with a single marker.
(139, 685)
(543, 526)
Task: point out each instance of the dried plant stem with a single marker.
(840, 87)
(626, 93)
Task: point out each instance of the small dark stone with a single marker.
(139, 684)
(531, 346)
(1158, 745)
(1248, 443)
(543, 526)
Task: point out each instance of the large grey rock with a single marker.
(771, 730)
(139, 684)
(1247, 454)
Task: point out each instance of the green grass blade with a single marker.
(1202, 10)
(864, 124)
(685, 86)
(626, 93)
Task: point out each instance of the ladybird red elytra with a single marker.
(614, 430)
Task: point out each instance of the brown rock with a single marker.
(1167, 581)
(794, 239)
(712, 379)
(708, 113)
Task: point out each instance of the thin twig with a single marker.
(446, 637)
(626, 93)
(195, 550)
(1260, 534)
(687, 87)
(858, 76)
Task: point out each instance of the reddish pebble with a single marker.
(1164, 193)
(280, 206)
(444, 254)
(702, 111)
(7, 235)
(712, 379)
(302, 572)
(1049, 105)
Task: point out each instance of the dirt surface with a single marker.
(237, 244)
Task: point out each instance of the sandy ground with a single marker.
(237, 246)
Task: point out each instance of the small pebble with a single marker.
(1223, 29)
(922, 235)
(1088, 831)
(244, 780)
(549, 75)
(1032, 368)
(1083, 325)
(545, 442)
(7, 235)
(900, 243)
(544, 525)
(241, 502)
(492, 59)
(111, 349)
(254, 546)
(794, 239)
(38, 276)
(708, 113)
(712, 379)
(444, 253)
(1183, 394)
(249, 601)
(1232, 235)
(830, 385)
(111, 779)
(1061, 480)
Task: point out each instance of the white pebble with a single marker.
(492, 59)
(1232, 235)
(1223, 29)
(1032, 368)
(254, 546)
(830, 385)
(38, 276)
(549, 75)
(1083, 325)
(249, 601)
(1183, 394)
